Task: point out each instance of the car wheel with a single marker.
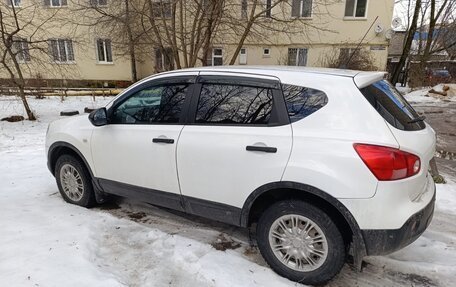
(74, 181)
(300, 242)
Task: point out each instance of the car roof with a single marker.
(361, 78)
(273, 69)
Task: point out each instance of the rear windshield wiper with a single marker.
(417, 119)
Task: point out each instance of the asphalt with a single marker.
(442, 118)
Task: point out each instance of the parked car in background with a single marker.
(325, 163)
(437, 76)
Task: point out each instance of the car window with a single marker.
(234, 104)
(441, 73)
(302, 102)
(156, 104)
(392, 106)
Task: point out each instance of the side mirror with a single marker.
(99, 117)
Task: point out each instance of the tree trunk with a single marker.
(131, 44)
(427, 48)
(408, 44)
(211, 25)
(241, 42)
(432, 23)
(30, 115)
(134, 73)
(245, 33)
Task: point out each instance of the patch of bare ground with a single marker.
(224, 242)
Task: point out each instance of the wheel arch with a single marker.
(59, 148)
(269, 193)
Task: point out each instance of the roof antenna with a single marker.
(357, 47)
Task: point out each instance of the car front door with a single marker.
(134, 155)
(238, 139)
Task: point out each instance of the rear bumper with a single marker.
(385, 241)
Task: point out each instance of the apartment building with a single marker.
(322, 30)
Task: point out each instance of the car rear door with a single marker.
(135, 154)
(238, 139)
(412, 134)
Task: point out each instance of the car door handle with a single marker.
(163, 140)
(261, 148)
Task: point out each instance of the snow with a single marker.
(47, 242)
(403, 90)
(422, 95)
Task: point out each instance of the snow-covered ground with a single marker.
(422, 95)
(46, 242)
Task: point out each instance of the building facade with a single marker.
(75, 49)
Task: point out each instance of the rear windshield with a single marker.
(392, 106)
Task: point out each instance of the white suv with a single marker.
(329, 165)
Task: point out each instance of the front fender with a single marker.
(74, 133)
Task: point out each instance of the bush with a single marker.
(359, 59)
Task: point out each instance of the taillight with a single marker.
(388, 163)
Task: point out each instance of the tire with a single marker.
(295, 247)
(74, 181)
(69, 113)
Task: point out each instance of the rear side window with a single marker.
(233, 104)
(302, 102)
(392, 106)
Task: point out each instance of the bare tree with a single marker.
(408, 43)
(448, 40)
(434, 34)
(114, 19)
(21, 38)
(354, 59)
(436, 14)
(184, 32)
(10, 28)
(262, 19)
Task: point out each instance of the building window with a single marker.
(55, 3)
(61, 50)
(266, 52)
(161, 8)
(104, 50)
(217, 57)
(99, 2)
(297, 56)
(244, 9)
(243, 56)
(164, 60)
(21, 49)
(356, 8)
(14, 3)
(267, 8)
(301, 8)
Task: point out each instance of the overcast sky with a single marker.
(400, 10)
